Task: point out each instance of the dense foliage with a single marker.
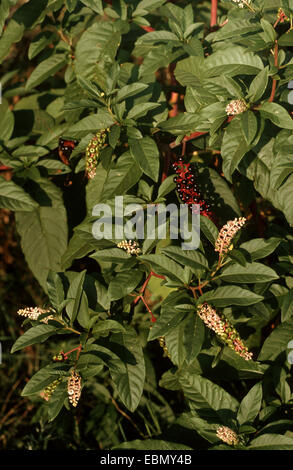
(146, 345)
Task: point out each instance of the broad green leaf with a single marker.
(124, 283)
(130, 384)
(55, 290)
(260, 248)
(234, 147)
(192, 258)
(45, 69)
(39, 381)
(56, 401)
(122, 177)
(43, 232)
(202, 394)
(193, 338)
(91, 124)
(165, 266)
(114, 255)
(103, 328)
(235, 60)
(258, 86)
(251, 273)
(271, 442)
(146, 154)
(139, 110)
(14, 198)
(75, 292)
(277, 114)
(275, 346)
(209, 229)
(130, 90)
(250, 405)
(230, 295)
(7, 121)
(95, 5)
(36, 334)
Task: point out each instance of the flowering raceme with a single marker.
(242, 3)
(33, 313)
(74, 388)
(130, 246)
(221, 326)
(227, 435)
(236, 107)
(227, 232)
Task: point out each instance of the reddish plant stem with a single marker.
(274, 85)
(214, 10)
(144, 286)
(78, 348)
(153, 319)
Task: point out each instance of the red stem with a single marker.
(274, 85)
(153, 319)
(214, 10)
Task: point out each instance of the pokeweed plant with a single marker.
(158, 102)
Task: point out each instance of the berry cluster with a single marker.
(61, 357)
(227, 435)
(74, 388)
(93, 151)
(49, 390)
(188, 188)
(221, 326)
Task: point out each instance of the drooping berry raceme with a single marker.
(221, 326)
(188, 188)
(93, 152)
(74, 388)
(49, 390)
(226, 234)
(131, 246)
(236, 107)
(227, 435)
(162, 343)
(33, 313)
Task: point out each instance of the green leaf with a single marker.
(192, 258)
(75, 292)
(43, 232)
(124, 283)
(36, 334)
(146, 154)
(193, 338)
(103, 328)
(204, 395)
(7, 121)
(252, 272)
(166, 267)
(45, 69)
(55, 290)
(230, 295)
(23, 19)
(258, 85)
(158, 36)
(260, 248)
(56, 401)
(114, 255)
(130, 90)
(141, 109)
(234, 147)
(14, 198)
(277, 114)
(250, 405)
(271, 442)
(209, 229)
(235, 60)
(275, 346)
(122, 177)
(95, 5)
(91, 124)
(287, 306)
(39, 381)
(130, 384)
(39, 43)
